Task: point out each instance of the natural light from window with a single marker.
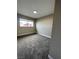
(26, 23)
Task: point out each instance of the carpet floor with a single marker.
(33, 47)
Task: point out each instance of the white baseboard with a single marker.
(21, 34)
(24, 34)
(45, 35)
(50, 57)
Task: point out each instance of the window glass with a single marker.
(26, 23)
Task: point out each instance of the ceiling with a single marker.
(43, 7)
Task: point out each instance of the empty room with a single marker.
(38, 29)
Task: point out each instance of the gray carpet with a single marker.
(32, 47)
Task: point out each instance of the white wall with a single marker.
(44, 26)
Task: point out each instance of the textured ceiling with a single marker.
(43, 7)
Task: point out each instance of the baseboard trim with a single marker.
(45, 36)
(50, 57)
(25, 35)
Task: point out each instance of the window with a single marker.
(26, 23)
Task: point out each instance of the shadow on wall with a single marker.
(55, 42)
